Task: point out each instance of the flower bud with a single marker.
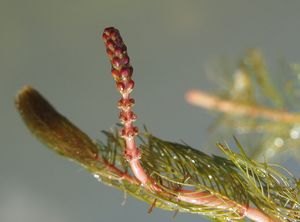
(125, 104)
(116, 74)
(108, 30)
(130, 85)
(110, 53)
(110, 44)
(127, 116)
(119, 52)
(116, 62)
(125, 60)
(129, 132)
(120, 86)
(132, 154)
(126, 73)
(105, 37)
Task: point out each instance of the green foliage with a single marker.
(52, 128)
(234, 179)
(252, 85)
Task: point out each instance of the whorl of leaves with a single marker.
(269, 187)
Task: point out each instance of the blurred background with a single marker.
(55, 46)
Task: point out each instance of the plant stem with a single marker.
(208, 101)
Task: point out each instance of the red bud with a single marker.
(125, 60)
(129, 132)
(126, 72)
(118, 52)
(125, 104)
(120, 86)
(126, 117)
(130, 85)
(108, 30)
(110, 53)
(105, 37)
(111, 44)
(116, 74)
(116, 63)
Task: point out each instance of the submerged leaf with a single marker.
(52, 128)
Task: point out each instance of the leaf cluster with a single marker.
(234, 178)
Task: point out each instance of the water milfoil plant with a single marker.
(166, 175)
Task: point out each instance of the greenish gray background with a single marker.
(55, 46)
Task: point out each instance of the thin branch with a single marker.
(208, 101)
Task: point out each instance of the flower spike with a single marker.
(120, 63)
(121, 71)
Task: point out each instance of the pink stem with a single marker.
(133, 154)
(208, 101)
(257, 215)
(198, 198)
